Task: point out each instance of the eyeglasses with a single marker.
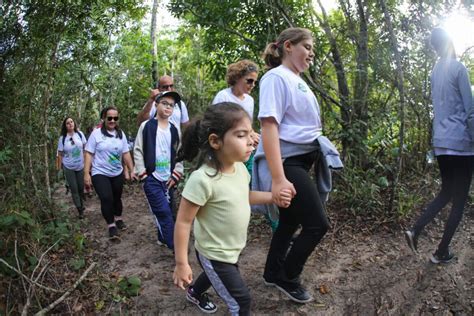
(72, 141)
(166, 86)
(251, 81)
(166, 104)
(112, 118)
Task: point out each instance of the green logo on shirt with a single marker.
(302, 87)
(114, 159)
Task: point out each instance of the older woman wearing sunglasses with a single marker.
(105, 150)
(241, 78)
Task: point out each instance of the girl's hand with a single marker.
(285, 197)
(182, 276)
(282, 185)
(256, 139)
(127, 176)
(133, 177)
(87, 181)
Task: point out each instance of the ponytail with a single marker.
(274, 52)
(190, 142)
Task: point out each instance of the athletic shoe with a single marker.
(297, 294)
(120, 224)
(202, 301)
(412, 240)
(81, 212)
(268, 281)
(442, 258)
(113, 233)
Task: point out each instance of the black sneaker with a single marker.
(442, 258)
(412, 240)
(81, 212)
(202, 301)
(120, 225)
(113, 233)
(268, 281)
(296, 293)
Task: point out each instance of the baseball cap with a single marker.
(173, 94)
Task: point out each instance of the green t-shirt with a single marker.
(220, 227)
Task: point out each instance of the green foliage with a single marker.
(129, 286)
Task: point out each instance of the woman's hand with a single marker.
(286, 196)
(279, 186)
(87, 181)
(182, 276)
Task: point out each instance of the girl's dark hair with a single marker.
(103, 129)
(217, 119)
(442, 43)
(274, 52)
(64, 128)
(238, 70)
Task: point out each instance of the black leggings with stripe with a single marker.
(226, 280)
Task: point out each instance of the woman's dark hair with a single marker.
(64, 128)
(240, 69)
(103, 129)
(217, 119)
(442, 43)
(274, 52)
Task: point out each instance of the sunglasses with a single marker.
(166, 87)
(251, 81)
(166, 104)
(72, 141)
(112, 118)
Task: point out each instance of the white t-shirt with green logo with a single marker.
(72, 151)
(163, 154)
(220, 227)
(107, 153)
(286, 97)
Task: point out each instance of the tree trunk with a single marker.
(401, 109)
(154, 49)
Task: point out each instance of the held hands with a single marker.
(256, 139)
(285, 197)
(280, 189)
(182, 275)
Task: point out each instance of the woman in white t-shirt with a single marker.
(106, 148)
(71, 158)
(290, 120)
(241, 78)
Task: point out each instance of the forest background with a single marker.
(370, 75)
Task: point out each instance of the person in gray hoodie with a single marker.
(453, 143)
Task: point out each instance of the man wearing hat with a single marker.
(180, 113)
(154, 154)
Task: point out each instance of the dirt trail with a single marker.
(362, 274)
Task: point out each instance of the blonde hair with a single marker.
(238, 70)
(274, 52)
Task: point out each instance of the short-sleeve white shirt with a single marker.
(163, 154)
(107, 153)
(226, 95)
(72, 149)
(286, 97)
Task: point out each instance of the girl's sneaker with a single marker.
(442, 258)
(202, 301)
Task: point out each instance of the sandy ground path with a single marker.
(349, 273)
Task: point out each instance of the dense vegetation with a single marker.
(58, 58)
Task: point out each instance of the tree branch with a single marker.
(67, 293)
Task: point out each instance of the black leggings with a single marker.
(307, 210)
(226, 280)
(109, 190)
(456, 174)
